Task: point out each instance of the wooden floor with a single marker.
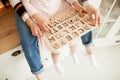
(9, 38)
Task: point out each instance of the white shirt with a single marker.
(46, 7)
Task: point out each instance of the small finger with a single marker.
(81, 13)
(46, 28)
(95, 18)
(35, 33)
(50, 24)
(90, 16)
(50, 28)
(84, 11)
(39, 33)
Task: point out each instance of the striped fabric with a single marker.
(19, 8)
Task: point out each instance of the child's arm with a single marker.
(92, 11)
(78, 7)
(30, 9)
(43, 22)
(89, 8)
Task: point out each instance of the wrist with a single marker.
(30, 23)
(25, 16)
(35, 17)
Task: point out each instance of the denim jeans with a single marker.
(30, 46)
(87, 39)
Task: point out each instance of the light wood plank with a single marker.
(9, 37)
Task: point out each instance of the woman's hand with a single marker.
(36, 31)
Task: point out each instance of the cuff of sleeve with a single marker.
(25, 16)
(86, 3)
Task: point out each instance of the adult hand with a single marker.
(34, 28)
(93, 14)
(44, 23)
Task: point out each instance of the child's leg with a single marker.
(41, 77)
(89, 50)
(73, 50)
(56, 57)
(91, 56)
(87, 41)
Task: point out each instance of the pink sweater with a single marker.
(46, 8)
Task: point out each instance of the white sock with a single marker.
(93, 61)
(76, 59)
(45, 79)
(59, 69)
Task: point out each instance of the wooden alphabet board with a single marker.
(68, 25)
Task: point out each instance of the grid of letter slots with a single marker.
(67, 26)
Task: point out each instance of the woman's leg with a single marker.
(30, 47)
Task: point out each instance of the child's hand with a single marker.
(93, 14)
(43, 23)
(81, 11)
(79, 8)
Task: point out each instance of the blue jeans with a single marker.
(87, 39)
(30, 46)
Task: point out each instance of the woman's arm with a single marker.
(21, 11)
(30, 9)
